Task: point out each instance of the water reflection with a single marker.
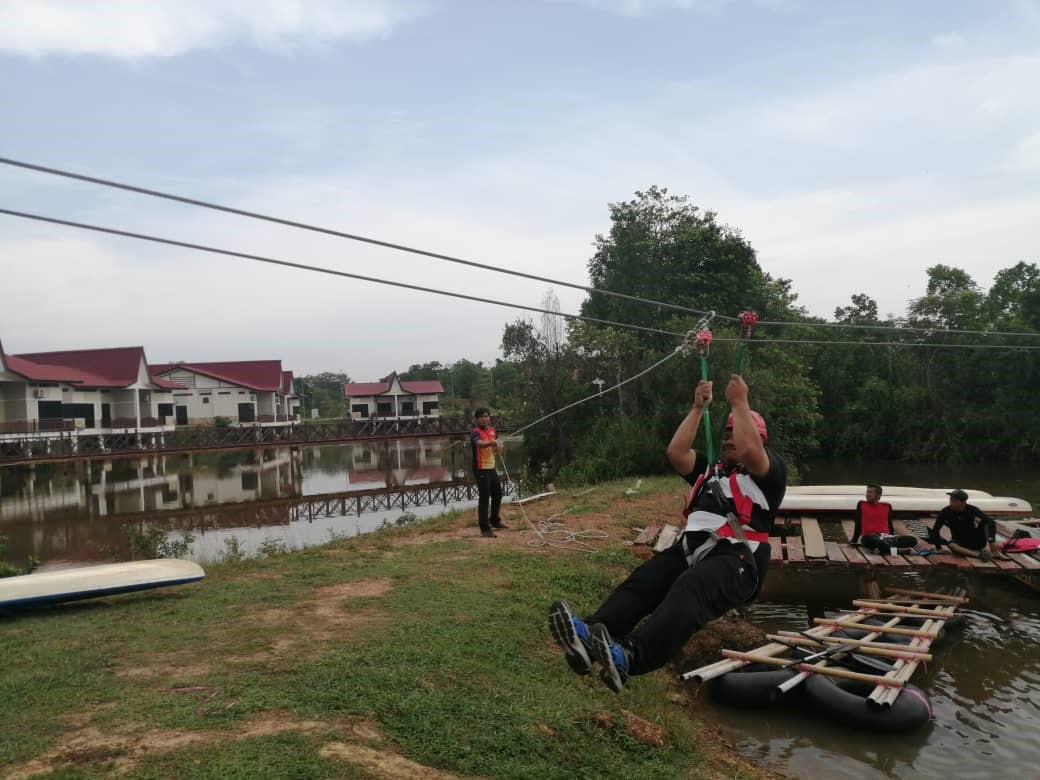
(76, 511)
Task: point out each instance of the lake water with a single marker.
(83, 511)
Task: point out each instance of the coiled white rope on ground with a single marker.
(552, 534)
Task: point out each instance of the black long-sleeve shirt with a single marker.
(970, 527)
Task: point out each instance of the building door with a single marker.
(182, 414)
(247, 413)
(106, 415)
(165, 410)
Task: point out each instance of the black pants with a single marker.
(489, 490)
(678, 599)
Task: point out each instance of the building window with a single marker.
(384, 409)
(429, 407)
(360, 410)
(224, 392)
(205, 400)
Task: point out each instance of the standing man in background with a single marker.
(489, 490)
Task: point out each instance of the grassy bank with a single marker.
(414, 652)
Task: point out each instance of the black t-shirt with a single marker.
(971, 527)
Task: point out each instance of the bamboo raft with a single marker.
(805, 544)
(927, 614)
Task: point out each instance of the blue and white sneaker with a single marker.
(612, 657)
(572, 635)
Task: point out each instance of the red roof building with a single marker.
(88, 389)
(393, 397)
(241, 391)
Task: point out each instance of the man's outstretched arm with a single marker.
(681, 454)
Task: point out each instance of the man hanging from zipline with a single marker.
(718, 563)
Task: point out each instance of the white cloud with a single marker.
(132, 30)
(649, 7)
(1029, 152)
(948, 41)
(932, 103)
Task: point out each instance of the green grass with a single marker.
(453, 666)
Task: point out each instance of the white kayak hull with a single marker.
(799, 501)
(887, 490)
(87, 582)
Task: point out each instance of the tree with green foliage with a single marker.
(663, 248)
(323, 392)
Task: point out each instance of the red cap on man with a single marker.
(760, 425)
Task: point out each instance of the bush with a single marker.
(152, 542)
(221, 422)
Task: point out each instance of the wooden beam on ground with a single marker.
(873, 558)
(896, 560)
(1025, 560)
(853, 555)
(812, 538)
(834, 553)
(795, 553)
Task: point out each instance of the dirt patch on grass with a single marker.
(166, 668)
(120, 752)
(309, 626)
(361, 589)
(382, 764)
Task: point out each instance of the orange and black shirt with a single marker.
(483, 457)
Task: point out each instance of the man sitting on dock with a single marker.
(718, 564)
(874, 521)
(973, 532)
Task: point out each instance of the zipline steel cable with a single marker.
(332, 232)
(447, 293)
(471, 263)
(320, 269)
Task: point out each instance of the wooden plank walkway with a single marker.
(807, 544)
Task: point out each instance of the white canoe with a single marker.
(87, 582)
(812, 503)
(886, 490)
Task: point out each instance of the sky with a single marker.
(853, 144)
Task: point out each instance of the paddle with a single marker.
(864, 662)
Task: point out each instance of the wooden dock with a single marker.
(808, 542)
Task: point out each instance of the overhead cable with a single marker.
(320, 269)
(894, 328)
(336, 233)
(404, 285)
(928, 345)
(473, 264)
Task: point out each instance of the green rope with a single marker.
(741, 355)
(709, 445)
